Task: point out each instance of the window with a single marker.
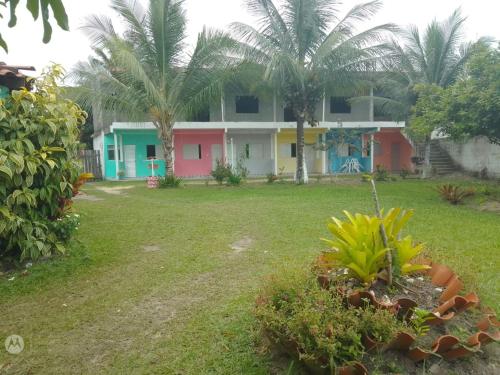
(254, 151)
(288, 150)
(111, 152)
(191, 152)
(288, 115)
(352, 150)
(339, 104)
(247, 104)
(377, 149)
(150, 151)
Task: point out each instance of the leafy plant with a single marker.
(379, 324)
(454, 193)
(39, 134)
(419, 320)
(366, 177)
(221, 172)
(358, 244)
(315, 325)
(170, 181)
(64, 227)
(234, 179)
(37, 7)
(381, 173)
(404, 173)
(121, 173)
(271, 178)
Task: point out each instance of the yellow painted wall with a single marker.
(286, 137)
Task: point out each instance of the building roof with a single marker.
(11, 77)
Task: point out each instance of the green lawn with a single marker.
(152, 286)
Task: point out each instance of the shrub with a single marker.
(271, 178)
(221, 171)
(380, 173)
(170, 182)
(234, 179)
(64, 227)
(366, 177)
(404, 173)
(358, 245)
(314, 323)
(454, 193)
(38, 167)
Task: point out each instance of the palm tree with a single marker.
(436, 58)
(306, 49)
(145, 73)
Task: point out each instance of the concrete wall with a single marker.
(314, 158)
(258, 164)
(475, 155)
(209, 140)
(389, 140)
(360, 111)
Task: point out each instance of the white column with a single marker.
(275, 139)
(121, 147)
(372, 152)
(232, 152)
(117, 164)
(223, 107)
(324, 106)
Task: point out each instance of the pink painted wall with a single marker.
(197, 167)
(390, 140)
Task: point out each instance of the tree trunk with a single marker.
(299, 176)
(167, 140)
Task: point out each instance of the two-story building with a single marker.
(259, 132)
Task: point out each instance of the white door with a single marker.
(216, 154)
(129, 160)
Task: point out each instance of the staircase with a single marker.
(441, 162)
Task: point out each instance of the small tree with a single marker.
(468, 108)
(39, 133)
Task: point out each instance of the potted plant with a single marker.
(121, 174)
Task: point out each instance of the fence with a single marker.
(91, 162)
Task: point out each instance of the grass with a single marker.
(151, 285)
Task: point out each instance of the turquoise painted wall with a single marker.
(335, 162)
(140, 139)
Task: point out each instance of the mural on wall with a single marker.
(348, 150)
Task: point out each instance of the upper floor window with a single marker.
(289, 115)
(247, 104)
(339, 104)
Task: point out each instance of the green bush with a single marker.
(221, 171)
(39, 134)
(234, 179)
(381, 173)
(271, 178)
(169, 182)
(314, 323)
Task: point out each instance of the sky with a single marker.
(67, 48)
